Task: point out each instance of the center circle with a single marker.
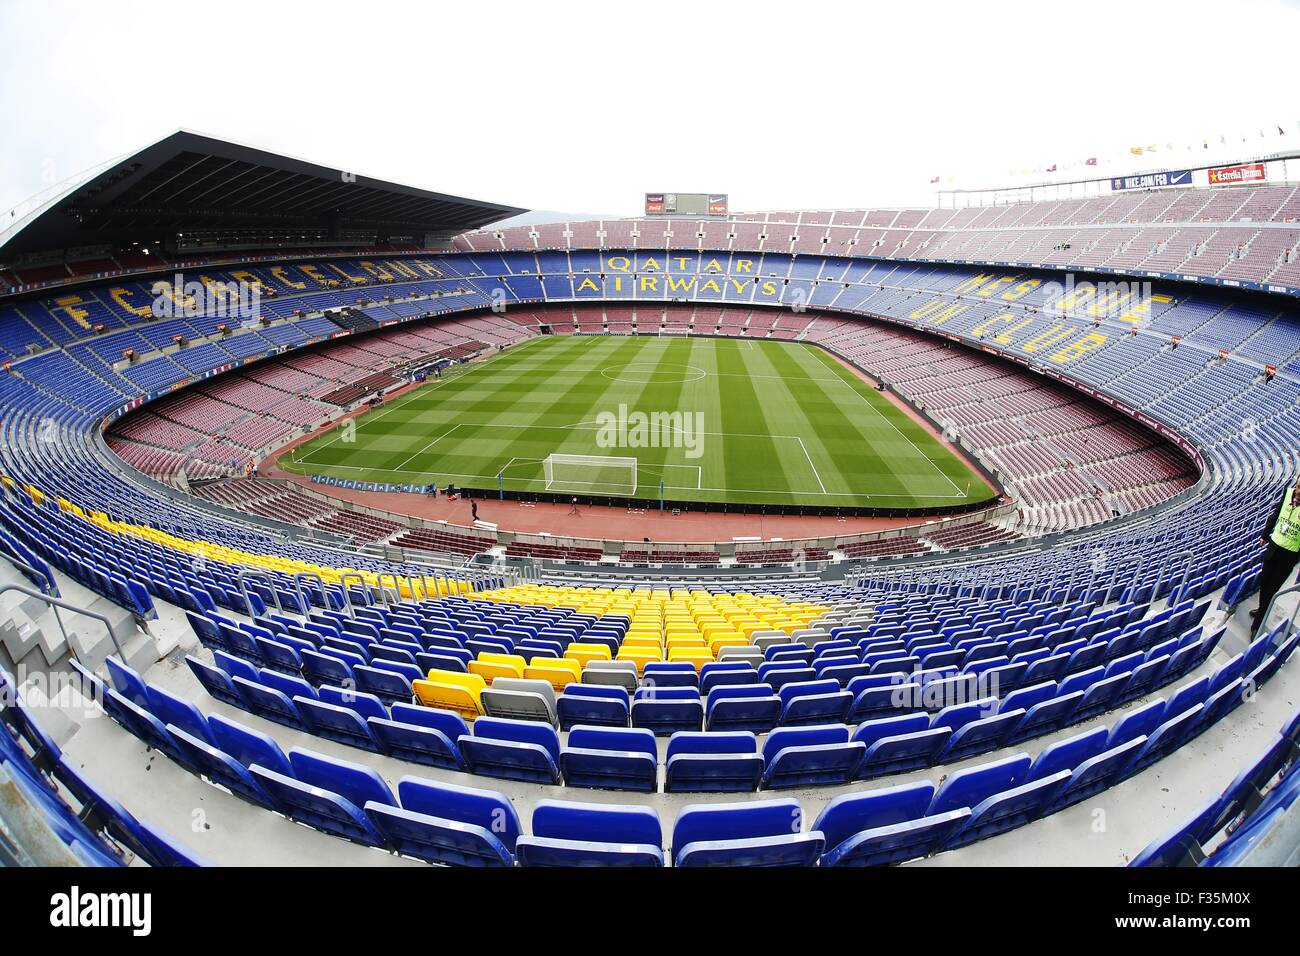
(651, 373)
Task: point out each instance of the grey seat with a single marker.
(517, 705)
(765, 639)
(611, 676)
(748, 653)
(528, 685)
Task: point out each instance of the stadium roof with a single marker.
(190, 181)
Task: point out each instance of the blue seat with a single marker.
(652, 692)
(388, 686)
(269, 703)
(1046, 716)
(323, 668)
(611, 759)
(279, 656)
(525, 750)
(957, 716)
(1101, 696)
(1168, 737)
(901, 752)
(355, 782)
(415, 743)
(711, 678)
(884, 701)
(778, 675)
(814, 702)
(763, 833)
(810, 756)
(170, 709)
(665, 674)
(157, 848)
(1097, 773)
(1181, 846)
(316, 807)
(1009, 808)
(219, 767)
(885, 826)
(979, 736)
(1068, 754)
(971, 786)
(562, 836)
(240, 643)
(336, 722)
(1027, 696)
(127, 683)
(449, 824)
(137, 721)
(748, 707)
(248, 746)
(582, 707)
(713, 763)
(664, 717)
(291, 685)
(1140, 722)
(1187, 696)
(412, 672)
(215, 681)
(365, 705)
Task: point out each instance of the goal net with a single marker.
(590, 474)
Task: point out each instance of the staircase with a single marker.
(34, 638)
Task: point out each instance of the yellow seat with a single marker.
(584, 653)
(699, 656)
(641, 656)
(456, 678)
(554, 672)
(492, 657)
(461, 698)
(491, 670)
(641, 642)
(693, 641)
(724, 640)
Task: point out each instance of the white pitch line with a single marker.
(747, 491)
(810, 463)
(428, 446)
(886, 420)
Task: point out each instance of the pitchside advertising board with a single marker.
(686, 204)
(1170, 177)
(1233, 175)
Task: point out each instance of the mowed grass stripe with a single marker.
(538, 421)
(958, 478)
(754, 460)
(870, 457)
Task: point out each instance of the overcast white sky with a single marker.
(583, 106)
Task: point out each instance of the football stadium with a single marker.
(372, 525)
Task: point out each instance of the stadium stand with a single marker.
(1049, 674)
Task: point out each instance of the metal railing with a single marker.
(304, 599)
(56, 603)
(347, 591)
(1268, 611)
(244, 574)
(1189, 558)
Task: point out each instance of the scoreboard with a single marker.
(686, 204)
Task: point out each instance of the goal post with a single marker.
(590, 474)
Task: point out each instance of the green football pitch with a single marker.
(723, 420)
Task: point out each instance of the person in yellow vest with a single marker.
(1282, 539)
